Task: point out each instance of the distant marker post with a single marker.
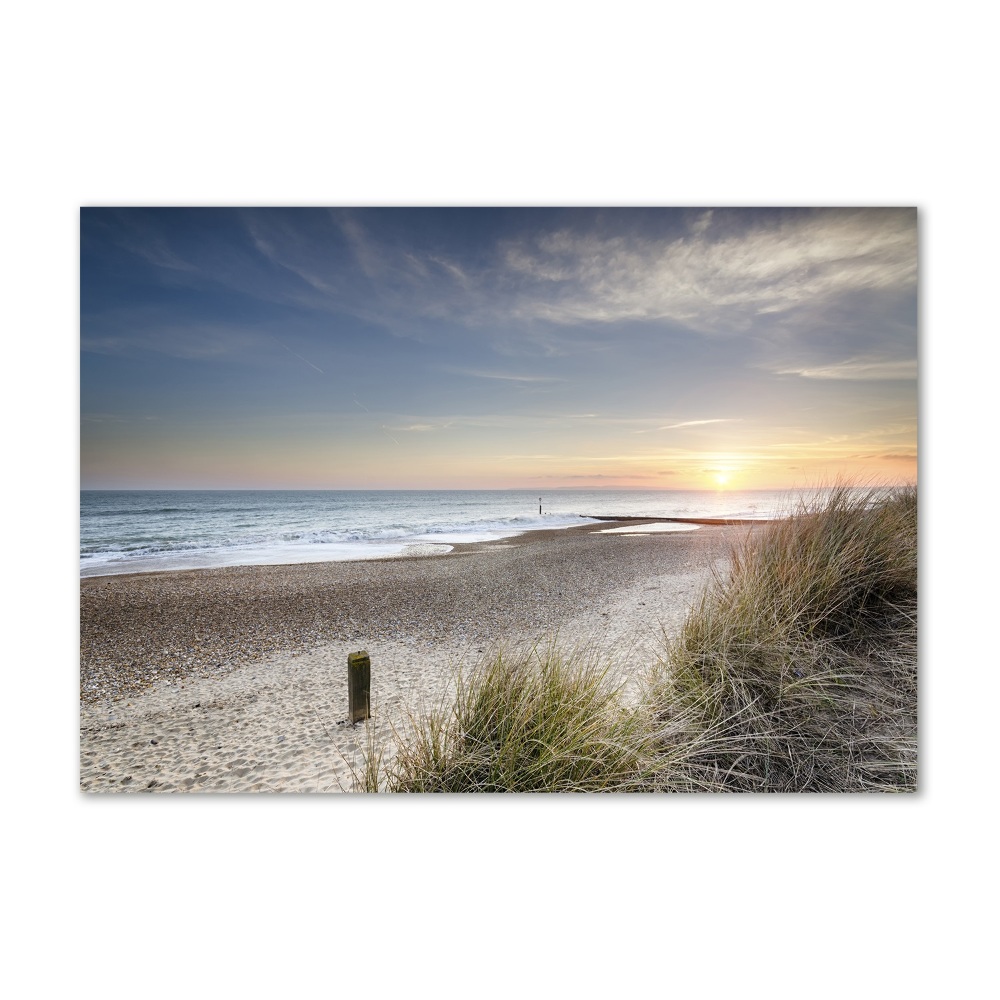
(539, 505)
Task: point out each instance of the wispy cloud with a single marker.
(688, 423)
(700, 423)
(783, 279)
(717, 275)
(502, 376)
(715, 271)
(131, 334)
(299, 356)
(280, 256)
(419, 428)
(137, 234)
(452, 269)
(160, 255)
(700, 224)
(856, 370)
(366, 252)
(595, 477)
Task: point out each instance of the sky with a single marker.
(464, 348)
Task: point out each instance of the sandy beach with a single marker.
(234, 679)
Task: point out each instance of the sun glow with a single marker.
(723, 476)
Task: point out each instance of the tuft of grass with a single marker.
(847, 569)
(797, 670)
(531, 721)
(373, 762)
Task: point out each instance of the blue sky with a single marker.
(450, 348)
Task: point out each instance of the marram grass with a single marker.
(795, 672)
(535, 721)
(801, 660)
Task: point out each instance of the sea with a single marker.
(133, 531)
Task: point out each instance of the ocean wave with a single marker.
(160, 529)
(331, 542)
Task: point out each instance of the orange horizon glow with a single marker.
(194, 471)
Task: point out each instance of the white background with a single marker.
(530, 104)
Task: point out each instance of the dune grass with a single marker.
(795, 672)
(528, 721)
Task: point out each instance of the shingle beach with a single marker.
(234, 679)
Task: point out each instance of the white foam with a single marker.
(272, 555)
(426, 549)
(648, 529)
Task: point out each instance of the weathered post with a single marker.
(539, 505)
(359, 679)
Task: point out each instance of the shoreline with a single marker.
(688, 520)
(234, 679)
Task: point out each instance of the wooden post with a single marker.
(359, 679)
(539, 505)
